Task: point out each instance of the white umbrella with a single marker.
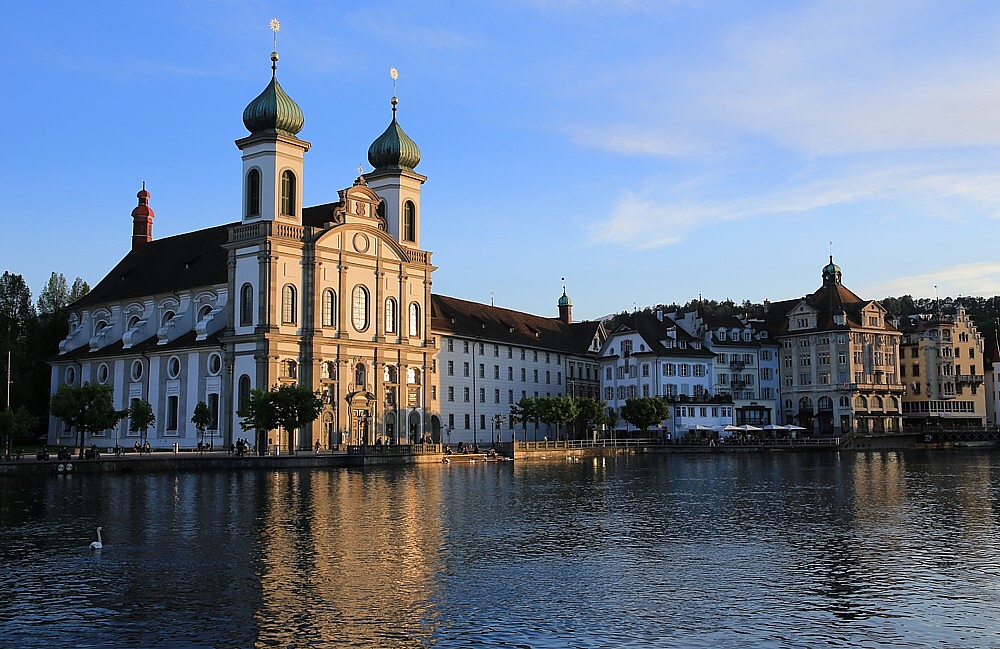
(794, 427)
(775, 427)
(748, 427)
(731, 428)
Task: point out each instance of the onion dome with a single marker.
(831, 273)
(273, 111)
(564, 300)
(142, 209)
(394, 149)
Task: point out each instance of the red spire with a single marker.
(142, 219)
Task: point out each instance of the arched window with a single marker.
(409, 221)
(825, 404)
(414, 319)
(805, 405)
(861, 403)
(390, 316)
(289, 306)
(329, 308)
(167, 317)
(390, 374)
(246, 305)
(100, 326)
(290, 369)
(244, 393)
(204, 311)
(253, 193)
(359, 308)
(359, 376)
(287, 193)
(413, 376)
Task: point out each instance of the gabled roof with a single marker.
(830, 299)
(165, 265)
(466, 319)
(654, 332)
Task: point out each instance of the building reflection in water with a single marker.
(348, 558)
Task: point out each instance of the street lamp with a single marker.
(498, 422)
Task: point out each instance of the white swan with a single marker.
(97, 545)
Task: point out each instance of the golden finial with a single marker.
(275, 27)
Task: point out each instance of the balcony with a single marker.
(969, 379)
(871, 387)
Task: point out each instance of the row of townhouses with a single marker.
(337, 297)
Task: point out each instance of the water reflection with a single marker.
(706, 551)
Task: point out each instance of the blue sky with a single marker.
(647, 151)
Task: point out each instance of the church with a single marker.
(336, 297)
(333, 296)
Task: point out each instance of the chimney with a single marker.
(142, 219)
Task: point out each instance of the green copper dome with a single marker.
(273, 111)
(831, 272)
(564, 300)
(394, 149)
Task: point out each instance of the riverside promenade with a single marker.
(534, 451)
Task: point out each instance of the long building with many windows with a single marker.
(490, 358)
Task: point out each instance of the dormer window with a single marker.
(167, 317)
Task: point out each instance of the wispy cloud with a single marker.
(656, 218)
(982, 278)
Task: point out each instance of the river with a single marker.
(725, 550)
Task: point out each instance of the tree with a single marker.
(287, 406)
(141, 417)
(16, 309)
(589, 412)
(89, 408)
(645, 411)
(14, 423)
(556, 410)
(201, 418)
(527, 410)
(296, 406)
(54, 298)
(79, 289)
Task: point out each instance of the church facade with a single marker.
(335, 297)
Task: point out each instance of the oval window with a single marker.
(136, 371)
(214, 364)
(102, 373)
(173, 367)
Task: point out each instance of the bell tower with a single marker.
(395, 156)
(272, 155)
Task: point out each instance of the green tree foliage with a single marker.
(556, 411)
(525, 410)
(201, 418)
(89, 408)
(14, 424)
(54, 298)
(141, 417)
(645, 412)
(590, 412)
(287, 406)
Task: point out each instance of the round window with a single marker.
(136, 371)
(173, 367)
(102, 373)
(70, 375)
(214, 364)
